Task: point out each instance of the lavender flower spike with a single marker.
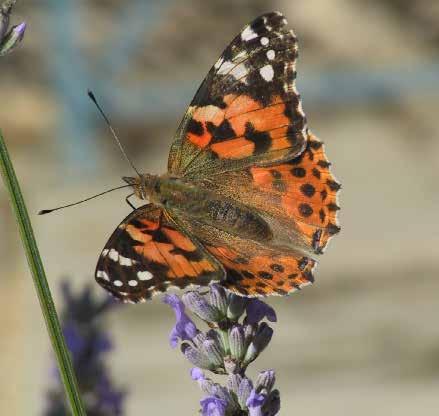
(184, 328)
(9, 39)
(234, 337)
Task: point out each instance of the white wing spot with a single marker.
(133, 283)
(267, 73)
(145, 275)
(117, 283)
(102, 275)
(248, 34)
(125, 261)
(225, 67)
(105, 252)
(239, 71)
(264, 41)
(271, 54)
(113, 254)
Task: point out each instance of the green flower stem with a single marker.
(40, 281)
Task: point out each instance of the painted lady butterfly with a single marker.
(248, 199)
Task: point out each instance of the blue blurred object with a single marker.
(72, 74)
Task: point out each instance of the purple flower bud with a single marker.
(199, 305)
(249, 333)
(184, 328)
(195, 356)
(218, 298)
(197, 374)
(271, 406)
(213, 406)
(244, 390)
(12, 38)
(212, 334)
(206, 384)
(257, 310)
(265, 380)
(199, 339)
(237, 342)
(233, 382)
(224, 394)
(236, 307)
(254, 403)
(260, 341)
(213, 353)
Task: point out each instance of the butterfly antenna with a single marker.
(48, 211)
(93, 98)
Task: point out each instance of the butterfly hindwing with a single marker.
(247, 110)
(148, 253)
(266, 273)
(299, 197)
(254, 268)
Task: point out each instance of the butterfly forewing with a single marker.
(247, 110)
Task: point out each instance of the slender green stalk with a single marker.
(40, 281)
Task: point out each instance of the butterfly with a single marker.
(248, 200)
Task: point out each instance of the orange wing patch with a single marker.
(169, 247)
(264, 274)
(148, 253)
(307, 191)
(243, 129)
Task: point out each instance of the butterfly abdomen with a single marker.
(236, 219)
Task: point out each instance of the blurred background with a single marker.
(365, 338)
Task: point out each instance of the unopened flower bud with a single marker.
(237, 342)
(199, 305)
(218, 298)
(12, 39)
(260, 341)
(236, 307)
(195, 356)
(213, 353)
(265, 380)
(244, 390)
(233, 382)
(271, 406)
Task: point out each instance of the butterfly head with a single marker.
(143, 185)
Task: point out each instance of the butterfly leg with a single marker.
(127, 199)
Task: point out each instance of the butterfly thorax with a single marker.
(189, 201)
